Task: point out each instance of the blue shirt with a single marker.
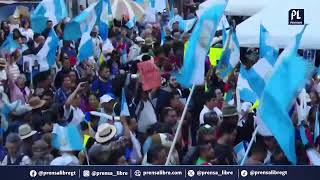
(61, 96)
(100, 87)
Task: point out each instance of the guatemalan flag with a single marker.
(81, 26)
(9, 45)
(267, 47)
(67, 138)
(290, 75)
(104, 19)
(258, 74)
(192, 72)
(54, 10)
(230, 56)
(124, 105)
(246, 93)
(47, 54)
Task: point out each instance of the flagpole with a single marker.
(179, 126)
(250, 145)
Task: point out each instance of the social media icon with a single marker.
(33, 173)
(191, 173)
(244, 173)
(86, 173)
(137, 173)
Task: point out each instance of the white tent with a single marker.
(275, 18)
(243, 7)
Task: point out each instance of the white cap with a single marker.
(246, 107)
(105, 98)
(139, 39)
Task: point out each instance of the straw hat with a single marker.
(36, 102)
(3, 62)
(105, 133)
(25, 131)
(149, 41)
(229, 111)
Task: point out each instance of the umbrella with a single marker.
(128, 9)
(275, 19)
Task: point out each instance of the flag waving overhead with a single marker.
(230, 56)
(81, 26)
(9, 45)
(67, 138)
(124, 105)
(104, 19)
(47, 54)
(192, 71)
(84, 22)
(267, 49)
(53, 10)
(293, 72)
(246, 93)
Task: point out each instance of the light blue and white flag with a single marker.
(230, 56)
(303, 135)
(131, 23)
(288, 78)
(67, 138)
(267, 47)
(163, 36)
(81, 26)
(47, 54)
(240, 150)
(192, 72)
(9, 45)
(313, 156)
(124, 105)
(106, 13)
(84, 22)
(316, 132)
(186, 25)
(258, 75)
(171, 5)
(246, 93)
(53, 10)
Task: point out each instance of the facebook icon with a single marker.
(296, 17)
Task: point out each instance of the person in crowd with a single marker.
(210, 105)
(64, 91)
(102, 84)
(19, 90)
(258, 154)
(15, 156)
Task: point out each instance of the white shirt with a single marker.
(206, 110)
(96, 46)
(65, 160)
(147, 116)
(78, 114)
(28, 33)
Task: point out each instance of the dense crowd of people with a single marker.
(69, 91)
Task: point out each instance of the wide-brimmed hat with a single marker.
(149, 41)
(3, 62)
(35, 102)
(105, 133)
(229, 111)
(25, 131)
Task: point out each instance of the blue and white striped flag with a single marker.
(81, 26)
(67, 138)
(246, 93)
(124, 105)
(240, 150)
(83, 23)
(192, 72)
(104, 19)
(267, 47)
(230, 56)
(186, 25)
(258, 75)
(288, 78)
(9, 45)
(53, 10)
(47, 54)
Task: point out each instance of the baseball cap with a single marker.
(105, 98)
